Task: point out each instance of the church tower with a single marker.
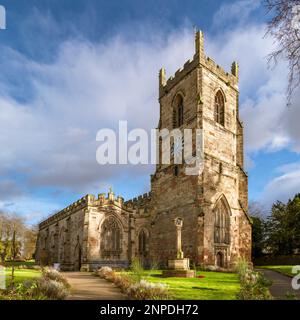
(213, 204)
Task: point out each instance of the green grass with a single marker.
(215, 285)
(21, 275)
(286, 270)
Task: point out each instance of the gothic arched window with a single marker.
(111, 237)
(178, 112)
(219, 112)
(46, 239)
(43, 241)
(142, 242)
(222, 224)
(52, 240)
(62, 244)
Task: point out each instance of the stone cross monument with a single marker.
(179, 267)
(178, 224)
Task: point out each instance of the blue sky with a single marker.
(69, 68)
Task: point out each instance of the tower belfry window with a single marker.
(178, 109)
(219, 112)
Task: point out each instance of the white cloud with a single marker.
(49, 132)
(236, 12)
(269, 124)
(284, 186)
(51, 139)
(9, 189)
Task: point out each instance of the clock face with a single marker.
(177, 148)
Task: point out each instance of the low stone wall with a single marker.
(95, 265)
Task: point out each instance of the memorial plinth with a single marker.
(179, 267)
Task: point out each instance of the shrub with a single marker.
(111, 276)
(145, 290)
(254, 285)
(52, 289)
(242, 267)
(104, 271)
(123, 282)
(52, 274)
(133, 285)
(52, 285)
(23, 291)
(107, 273)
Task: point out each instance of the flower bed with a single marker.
(50, 286)
(134, 289)
(145, 290)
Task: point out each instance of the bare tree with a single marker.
(5, 236)
(284, 26)
(17, 230)
(29, 243)
(255, 209)
(17, 240)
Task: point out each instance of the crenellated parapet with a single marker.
(137, 205)
(199, 60)
(231, 79)
(140, 204)
(74, 207)
(109, 199)
(166, 85)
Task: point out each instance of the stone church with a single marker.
(106, 230)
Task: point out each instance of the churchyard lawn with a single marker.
(209, 286)
(21, 275)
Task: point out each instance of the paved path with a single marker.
(281, 284)
(85, 286)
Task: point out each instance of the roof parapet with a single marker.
(199, 58)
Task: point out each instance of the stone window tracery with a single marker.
(142, 242)
(111, 238)
(222, 224)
